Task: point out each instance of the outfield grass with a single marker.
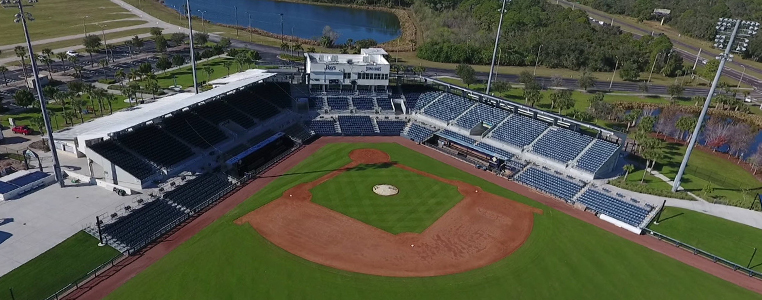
(564, 258)
(56, 18)
(727, 239)
(53, 270)
(696, 177)
(420, 202)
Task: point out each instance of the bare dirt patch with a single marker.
(480, 230)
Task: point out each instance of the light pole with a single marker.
(84, 27)
(105, 42)
(236, 20)
(611, 83)
(281, 29)
(652, 67)
(251, 33)
(494, 52)
(537, 61)
(698, 56)
(22, 17)
(192, 52)
(742, 73)
(203, 24)
(723, 26)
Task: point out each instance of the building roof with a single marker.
(373, 51)
(122, 120)
(252, 74)
(370, 56)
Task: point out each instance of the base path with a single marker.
(481, 229)
(110, 280)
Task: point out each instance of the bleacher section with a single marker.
(194, 130)
(596, 155)
(384, 103)
(297, 132)
(278, 93)
(519, 130)
(323, 127)
(253, 106)
(424, 99)
(419, 133)
(338, 103)
(448, 107)
(482, 113)
(141, 225)
(156, 145)
(218, 111)
(412, 93)
(553, 184)
(505, 154)
(390, 127)
(363, 103)
(194, 193)
(561, 144)
(356, 125)
(316, 102)
(132, 164)
(618, 209)
(456, 137)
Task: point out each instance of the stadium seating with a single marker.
(363, 103)
(515, 165)
(143, 224)
(519, 130)
(505, 154)
(596, 155)
(412, 93)
(258, 109)
(614, 207)
(561, 144)
(277, 93)
(195, 192)
(384, 103)
(28, 178)
(323, 127)
(316, 102)
(297, 132)
(123, 159)
(356, 125)
(218, 111)
(456, 137)
(390, 127)
(260, 137)
(156, 145)
(194, 130)
(482, 113)
(338, 103)
(419, 133)
(555, 185)
(448, 107)
(425, 99)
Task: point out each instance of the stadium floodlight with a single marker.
(494, 52)
(192, 52)
(22, 17)
(733, 35)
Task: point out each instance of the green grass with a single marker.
(702, 170)
(564, 258)
(56, 268)
(56, 18)
(75, 42)
(420, 202)
(185, 75)
(727, 239)
(57, 121)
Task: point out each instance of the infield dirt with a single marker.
(480, 230)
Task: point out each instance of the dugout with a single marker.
(260, 154)
(464, 150)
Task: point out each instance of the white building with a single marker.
(368, 70)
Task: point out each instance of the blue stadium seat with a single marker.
(363, 103)
(553, 184)
(561, 144)
(482, 113)
(356, 125)
(596, 155)
(448, 107)
(390, 127)
(519, 130)
(338, 103)
(613, 207)
(419, 133)
(323, 127)
(456, 137)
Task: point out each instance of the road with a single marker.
(688, 52)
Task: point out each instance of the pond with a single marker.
(303, 20)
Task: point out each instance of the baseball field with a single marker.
(249, 252)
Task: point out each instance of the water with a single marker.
(302, 19)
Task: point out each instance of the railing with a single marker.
(76, 283)
(697, 251)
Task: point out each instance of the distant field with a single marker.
(727, 239)
(55, 18)
(564, 258)
(56, 268)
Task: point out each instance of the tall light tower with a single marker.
(22, 17)
(494, 52)
(192, 51)
(727, 32)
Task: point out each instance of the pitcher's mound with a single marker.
(385, 190)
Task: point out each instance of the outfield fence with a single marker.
(85, 278)
(707, 255)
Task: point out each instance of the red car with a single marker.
(22, 130)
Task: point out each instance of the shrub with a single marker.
(645, 189)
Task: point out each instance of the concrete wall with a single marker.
(114, 174)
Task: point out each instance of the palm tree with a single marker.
(227, 65)
(53, 115)
(63, 58)
(4, 69)
(48, 61)
(99, 94)
(21, 54)
(209, 71)
(298, 48)
(110, 98)
(120, 76)
(103, 63)
(627, 170)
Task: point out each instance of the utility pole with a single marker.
(281, 29)
(192, 52)
(612, 75)
(742, 73)
(537, 61)
(22, 17)
(84, 26)
(236, 20)
(723, 58)
(652, 67)
(203, 23)
(698, 56)
(494, 52)
(251, 33)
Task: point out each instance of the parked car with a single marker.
(72, 53)
(25, 130)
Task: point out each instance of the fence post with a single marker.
(752, 257)
(11, 291)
